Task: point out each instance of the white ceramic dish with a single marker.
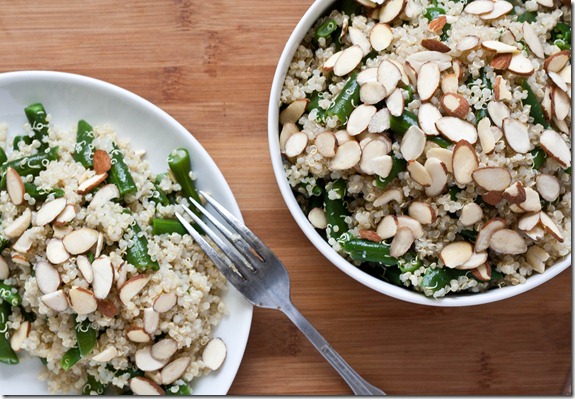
(317, 9)
(70, 97)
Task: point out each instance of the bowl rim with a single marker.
(311, 15)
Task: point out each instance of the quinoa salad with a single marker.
(98, 279)
(429, 141)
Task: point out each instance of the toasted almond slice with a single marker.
(82, 300)
(484, 235)
(515, 208)
(381, 165)
(325, 143)
(293, 111)
(428, 80)
(422, 212)
(507, 241)
(347, 156)
(146, 362)
(485, 135)
(428, 115)
(389, 75)
(479, 7)
(508, 37)
(393, 194)
(20, 335)
(372, 92)
(107, 193)
(15, 186)
(469, 42)
(559, 81)
(435, 45)
(329, 64)
(103, 277)
(137, 334)
(145, 386)
(464, 162)
(550, 226)
(369, 235)
(395, 103)
(482, 272)
(416, 60)
(132, 287)
(412, 224)
(562, 126)
(401, 242)
(99, 244)
(456, 254)
(25, 241)
(49, 211)
(438, 173)
(556, 147)
(348, 60)
(493, 198)
(437, 24)
(317, 218)
(107, 307)
(56, 301)
(380, 36)
(19, 259)
(499, 47)
(520, 65)
(380, 122)
(56, 251)
(532, 40)
(47, 277)
(548, 187)
(102, 162)
(455, 105)
(476, 260)
(391, 10)
(106, 355)
(366, 76)
(561, 104)
(500, 62)
(547, 102)
(164, 349)
(66, 216)
(470, 214)
(498, 111)
(80, 241)
(85, 268)
(546, 3)
(557, 61)
(500, 8)
(492, 178)
(371, 151)
(151, 320)
(532, 201)
(536, 233)
(4, 269)
(515, 193)
(387, 227)
(404, 77)
(357, 38)
(565, 73)
(456, 129)
(214, 353)
(165, 302)
(443, 154)
(536, 257)
(296, 144)
(19, 225)
(412, 143)
(175, 370)
(500, 89)
(449, 84)
(419, 173)
(288, 129)
(89, 184)
(529, 221)
(359, 119)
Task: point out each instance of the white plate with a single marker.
(69, 98)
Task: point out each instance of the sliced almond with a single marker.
(317, 218)
(401, 242)
(82, 300)
(482, 272)
(106, 355)
(536, 257)
(359, 119)
(107, 307)
(529, 221)
(500, 8)
(56, 301)
(15, 186)
(556, 147)
(137, 334)
(412, 224)
(381, 165)
(428, 115)
(102, 162)
(412, 143)
(366, 76)
(145, 386)
(175, 370)
(85, 268)
(492, 178)
(389, 75)
(369, 235)
(56, 251)
(449, 84)
(498, 111)
(507, 241)
(49, 211)
(558, 80)
(455, 105)
(47, 277)
(391, 10)
(515, 208)
(536, 233)
(348, 60)
(326, 143)
(387, 227)
(469, 42)
(456, 254)
(66, 216)
(165, 302)
(416, 60)
(346, 157)
(380, 122)
(25, 241)
(373, 150)
(419, 173)
(532, 40)
(546, 3)
(437, 24)
(500, 90)
(476, 260)
(288, 129)
(214, 353)
(520, 65)
(4, 269)
(19, 259)
(484, 235)
(372, 93)
(508, 37)
(107, 193)
(19, 225)
(438, 173)
(293, 111)
(146, 362)
(395, 103)
(532, 201)
(479, 7)
(132, 287)
(422, 212)
(80, 241)
(428, 80)
(550, 226)
(515, 193)
(499, 47)
(380, 36)
(547, 102)
(435, 45)
(565, 73)
(548, 187)
(458, 68)
(443, 154)
(456, 129)
(20, 336)
(557, 61)
(500, 62)
(464, 162)
(329, 64)
(485, 135)
(470, 214)
(357, 38)
(164, 349)
(89, 184)
(103, 276)
(296, 144)
(151, 320)
(493, 198)
(393, 194)
(561, 104)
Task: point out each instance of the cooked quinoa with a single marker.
(435, 179)
(184, 273)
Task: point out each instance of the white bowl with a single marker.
(67, 99)
(317, 9)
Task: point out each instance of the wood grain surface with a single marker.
(210, 65)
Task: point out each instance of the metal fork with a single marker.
(263, 280)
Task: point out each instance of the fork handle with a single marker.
(357, 384)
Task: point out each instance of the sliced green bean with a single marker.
(3, 156)
(369, 251)
(86, 336)
(7, 354)
(346, 100)
(40, 194)
(84, 149)
(167, 226)
(561, 36)
(326, 29)
(27, 140)
(539, 157)
(527, 16)
(400, 124)
(535, 110)
(438, 278)
(10, 294)
(93, 386)
(335, 208)
(137, 255)
(440, 141)
(70, 358)
(469, 235)
(409, 262)
(398, 165)
(181, 166)
(159, 196)
(36, 115)
(119, 173)
(33, 164)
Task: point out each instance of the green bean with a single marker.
(313, 103)
(400, 124)
(33, 164)
(453, 191)
(36, 115)
(181, 166)
(335, 208)
(326, 29)
(167, 226)
(350, 7)
(438, 278)
(27, 140)
(7, 354)
(392, 275)
(10, 294)
(539, 157)
(93, 386)
(409, 262)
(84, 149)
(183, 390)
(480, 114)
(561, 36)
(3, 156)
(369, 251)
(40, 194)
(440, 141)
(86, 336)
(159, 196)
(346, 100)
(70, 358)
(398, 165)
(469, 235)
(137, 254)
(4, 243)
(409, 97)
(119, 173)
(434, 12)
(527, 16)
(535, 110)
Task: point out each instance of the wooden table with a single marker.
(210, 64)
